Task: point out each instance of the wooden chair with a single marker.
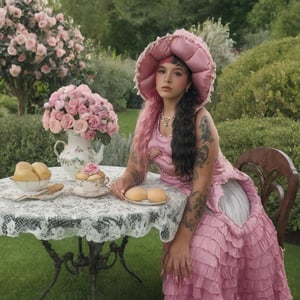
(275, 175)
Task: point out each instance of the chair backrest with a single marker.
(274, 174)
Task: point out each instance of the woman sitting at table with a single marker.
(226, 246)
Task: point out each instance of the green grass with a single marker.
(26, 269)
(127, 121)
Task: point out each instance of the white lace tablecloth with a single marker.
(105, 218)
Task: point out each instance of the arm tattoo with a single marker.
(133, 157)
(206, 132)
(193, 210)
(136, 176)
(201, 156)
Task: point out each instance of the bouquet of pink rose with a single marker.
(77, 108)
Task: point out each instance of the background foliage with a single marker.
(263, 81)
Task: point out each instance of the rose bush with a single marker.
(36, 46)
(77, 108)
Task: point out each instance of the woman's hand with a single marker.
(177, 261)
(119, 187)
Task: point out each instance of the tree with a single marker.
(278, 16)
(128, 26)
(36, 46)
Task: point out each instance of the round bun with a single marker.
(23, 165)
(41, 170)
(95, 177)
(156, 195)
(25, 175)
(136, 193)
(81, 176)
(101, 174)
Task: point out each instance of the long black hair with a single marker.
(183, 140)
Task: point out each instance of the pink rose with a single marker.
(71, 107)
(41, 50)
(45, 119)
(80, 126)
(30, 44)
(52, 41)
(60, 17)
(67, 121)
(55, 126)
(56, 114)
(91, 169)
(112, 128)
(15, 70)
(94, 122)
(22, 57)
(11, 50)
(60, 52)
(82, 109)
(89, 135)
(45, 69)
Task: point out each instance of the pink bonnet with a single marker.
(186, 46)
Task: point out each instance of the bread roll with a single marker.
(136, 193)
(24, 165)
(156, 195)
(25, 175)
(94, 177)
(41, 170)
(81, 176)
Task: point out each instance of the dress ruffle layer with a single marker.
(232, 262)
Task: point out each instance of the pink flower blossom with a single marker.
(30, 44)
(89, 135)
(71, 105)
(12, 50)
(67, 121)
(60, 52)
(52, 41)
(15, 70)
(41, 50)
(46, 119)
(56, 114)
(22, 57)
(45, 69)
(60, 17)
(80, 126)
(55, 126)
(94, 122)
(91, 169)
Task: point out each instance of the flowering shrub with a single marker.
(77, 108)
(34, 45)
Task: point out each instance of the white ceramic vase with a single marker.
(77, 153)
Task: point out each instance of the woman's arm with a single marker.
(133, 175)
(177, 260)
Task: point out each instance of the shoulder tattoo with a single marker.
(206, 131)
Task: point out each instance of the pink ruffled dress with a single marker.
(234, 250)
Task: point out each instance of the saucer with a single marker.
(80, 192)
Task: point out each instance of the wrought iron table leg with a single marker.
(96, 261)
(58, 261)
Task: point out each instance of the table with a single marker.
(96, 220)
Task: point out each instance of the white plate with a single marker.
(146, 202)
(79, 192)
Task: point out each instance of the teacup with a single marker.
(92, 186)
